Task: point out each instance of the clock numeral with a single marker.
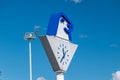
(65, 62)
(67, 55)
(58, 53)
(65, 46)
(58, 48)
(60, 45)
(58, 57)
(66, 51)
(67, 59)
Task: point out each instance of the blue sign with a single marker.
(59, 25)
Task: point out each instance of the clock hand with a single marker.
(63, 55)
(61, 59)
(65, 52)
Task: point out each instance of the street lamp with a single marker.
(30, 36)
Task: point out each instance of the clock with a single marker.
(63, 54)
(59, 52)
(57, 42)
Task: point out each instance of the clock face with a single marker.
(63, 54)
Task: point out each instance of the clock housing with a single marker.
(59, 51)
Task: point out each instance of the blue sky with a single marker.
(96, 31)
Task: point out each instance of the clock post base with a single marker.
(59, 76)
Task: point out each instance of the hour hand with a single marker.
(65, 52)
(61, 59)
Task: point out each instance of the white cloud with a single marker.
(116, 75)
(76, 1)
(41, 78)
(44, 28)
(83, 36)
(66, 0)
(114, 45)
(39, 29)
(36, 27)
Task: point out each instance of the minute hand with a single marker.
(64, 53)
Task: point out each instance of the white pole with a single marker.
(60, 76)
(30, 59)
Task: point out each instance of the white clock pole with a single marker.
(59, 76)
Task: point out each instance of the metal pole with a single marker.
(30, 59)
(30, 36)
(60, 76)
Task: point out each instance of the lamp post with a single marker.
(30, 36)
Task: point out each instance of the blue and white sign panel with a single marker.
(59, 25)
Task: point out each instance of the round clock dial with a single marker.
(63, 54)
